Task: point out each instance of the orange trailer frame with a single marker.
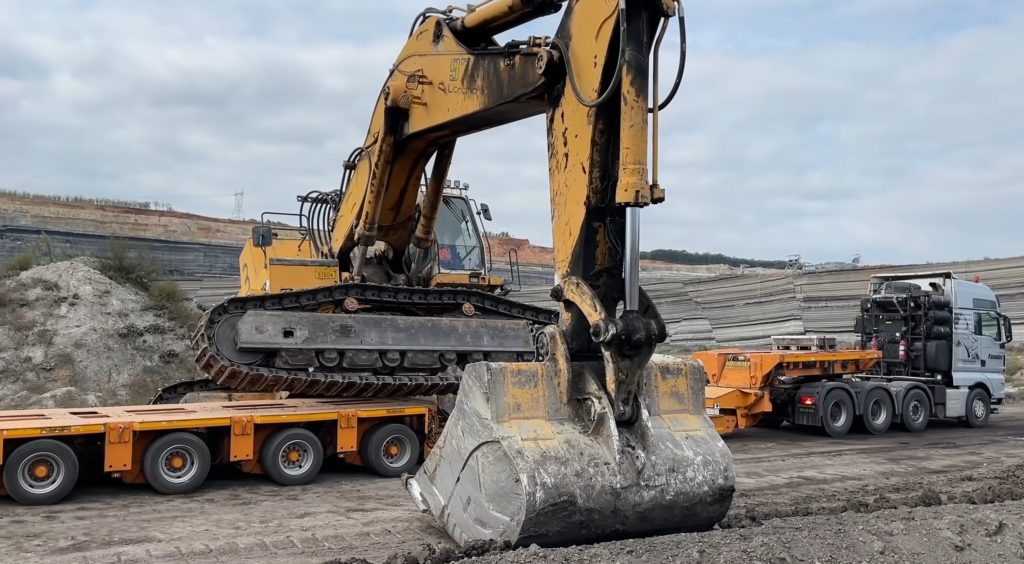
(124, 432)
(737, 393)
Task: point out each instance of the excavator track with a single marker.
(359, 298)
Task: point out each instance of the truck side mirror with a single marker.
(1007, 329)
(485, 211)
(262, 236)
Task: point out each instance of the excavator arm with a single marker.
(452, 79)
(594, 441)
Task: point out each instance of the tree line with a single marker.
(686, 257)
(136, 204)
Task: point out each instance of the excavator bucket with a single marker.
(531, 454)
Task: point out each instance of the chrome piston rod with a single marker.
(631, 264)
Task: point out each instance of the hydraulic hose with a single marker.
(616, 77)
(681, 18)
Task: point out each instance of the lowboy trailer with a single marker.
(172, 447)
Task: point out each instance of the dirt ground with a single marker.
(952, 494)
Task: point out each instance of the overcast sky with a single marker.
(890, 128)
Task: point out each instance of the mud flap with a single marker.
(531, 455)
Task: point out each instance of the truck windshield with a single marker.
(458, 241)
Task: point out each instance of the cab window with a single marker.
(987, 324)
(458, 242)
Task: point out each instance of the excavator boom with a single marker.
(564, 430)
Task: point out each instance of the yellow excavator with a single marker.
(564, 430)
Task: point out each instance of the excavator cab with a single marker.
(460, 246)
(461, 251)
(280, 257)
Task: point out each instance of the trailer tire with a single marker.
(176, 463)
(916, 411)
(40, 472)
(837, 413)
(292, 457)
(979, 407)
(390, 449)
(878, 411)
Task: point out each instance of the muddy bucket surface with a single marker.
(530, 455)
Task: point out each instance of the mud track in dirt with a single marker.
(951, 494)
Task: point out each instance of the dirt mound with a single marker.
(69, 336)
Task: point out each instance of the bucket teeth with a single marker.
(531, 455)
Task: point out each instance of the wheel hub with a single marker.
(295, 457)
(396, 451)
(979, 408)
(41, 474)
(179, 464)
(41, 470)
(916, 411)
(878, 412)
(837, 414)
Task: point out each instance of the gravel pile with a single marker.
(69, 336)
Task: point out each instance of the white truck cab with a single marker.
(935, 328)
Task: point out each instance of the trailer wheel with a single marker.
(916, 411)
(40, 472)
(837, 413)
(878, 411)
(176, 463)
(979, 406)
(292, 457)
(390, 449)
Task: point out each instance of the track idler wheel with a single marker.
(532, 454)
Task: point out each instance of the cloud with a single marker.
(887, 128)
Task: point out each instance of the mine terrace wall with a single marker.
(702, 305)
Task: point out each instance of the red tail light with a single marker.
(807, 400)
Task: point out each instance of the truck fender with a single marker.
(861, 389)
(899, 391)
(818, 390)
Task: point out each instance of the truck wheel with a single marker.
(176, 463)
(292, 457)
(979, 406)
(878, 411)
(837, 413)
(390, 449)
(916, 411)
(40, 472)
